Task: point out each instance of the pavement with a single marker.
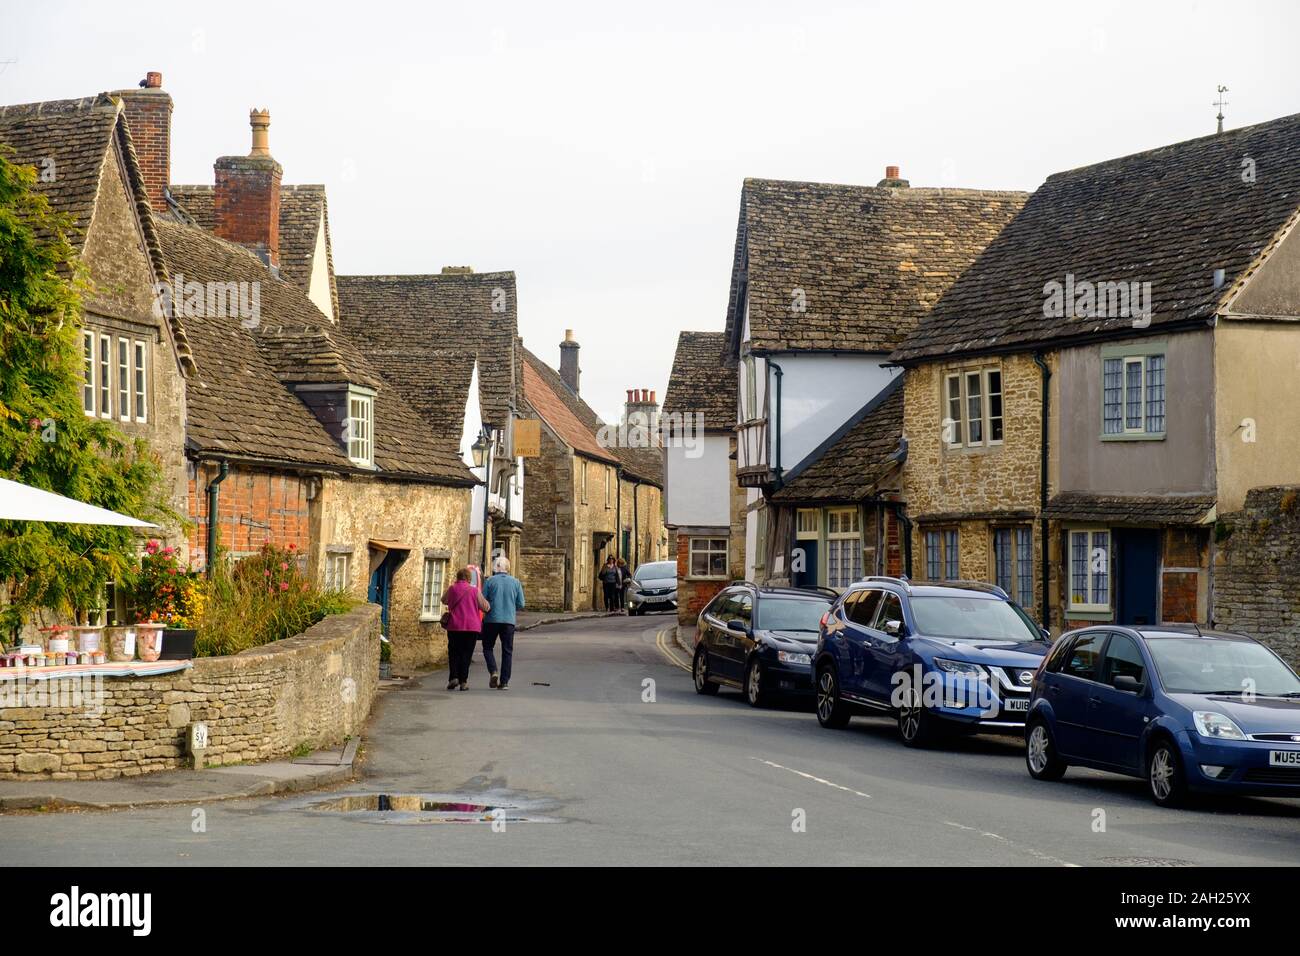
(601, 753)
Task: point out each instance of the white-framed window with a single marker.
(88, 386)
(750, 411)
(584, 554)
(124, 379)
(141, 385)
(338, 570)
(1089, 569)
(942, 555)
(1013, 563)
(843, 547)
(361, 428)
(708, 557)
(1133, 395)
(105, 376)
(435, 582)
(972, 406)
(807, 524)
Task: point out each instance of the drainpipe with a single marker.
(1046, 375)
(777, 464)
(214, 495)
(636, 522)
(487, 500)
(900, 512)
(618, 512)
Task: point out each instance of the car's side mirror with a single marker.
(1130, 685)
(893, 628)
(1047, 635)
(736, 624)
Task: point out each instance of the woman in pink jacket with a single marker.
(465, 609)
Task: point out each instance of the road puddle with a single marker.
(423, 808)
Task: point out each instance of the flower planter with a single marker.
(178, 644)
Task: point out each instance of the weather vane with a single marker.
(1221, 103)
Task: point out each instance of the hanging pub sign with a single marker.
(527, 437)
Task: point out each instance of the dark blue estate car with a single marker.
(1188, 710)
(956, 656)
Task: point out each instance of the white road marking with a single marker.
(1016, 846)
(808, 776)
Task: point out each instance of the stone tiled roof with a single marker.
(1130, 509)
(848, 466)
(241, 405)
(866, 263)
(703, 379)
(545, 390)
(71, 139)
(424, 330)
(302, 207)
(1170, 217)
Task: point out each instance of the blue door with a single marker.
(807, 577)
(381, 586)
(1138, 553)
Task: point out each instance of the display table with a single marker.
(110, 669)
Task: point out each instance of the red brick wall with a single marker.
(893, 545)
(691, 595)
(246, 203)
(254, 507)
(149, 117)
(1178, 603)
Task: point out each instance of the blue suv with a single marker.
(1188, 710)
(957, 655)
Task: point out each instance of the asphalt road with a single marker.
(589, 772)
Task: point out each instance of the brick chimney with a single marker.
(569, 370)
(148, 110)
(892, 179)
(246, 200)
(641, 416)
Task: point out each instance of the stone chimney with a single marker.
(148, 110)
(641, 416)
(569, 370)
(246, 199)
(892, 179)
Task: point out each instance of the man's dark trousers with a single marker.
(491, 631)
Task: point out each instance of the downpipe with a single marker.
(214, 498)
(1045, 409)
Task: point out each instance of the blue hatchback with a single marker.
(955, 656)
(1188, 710)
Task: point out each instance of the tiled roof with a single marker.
(414, 326)
(542, 384)
(703, 379)
(241, 406)
(850, 464)
(1170, 217)
(1130, 509)
(71, 139)
(853, 268)
(302, 207)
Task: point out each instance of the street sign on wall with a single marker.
(527, 437)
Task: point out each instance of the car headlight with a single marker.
(1216, 726)
(965, 668)
(790, 657)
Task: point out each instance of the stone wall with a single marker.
(314, 689)
(541, 571)
(548, 506)
(1257, 569)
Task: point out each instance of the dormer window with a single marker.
(361, 428)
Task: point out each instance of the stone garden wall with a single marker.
(314, 689)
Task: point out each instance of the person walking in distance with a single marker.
(464, 624)
(610, 578)
(506, 595)
(624, 578)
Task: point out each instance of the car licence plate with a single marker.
(1019, 705)
(654, 598)
(1284, 758)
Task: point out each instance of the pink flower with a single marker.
(168, 550)
(284, 566)
(266, 573)
(284, 585)
(151, 547)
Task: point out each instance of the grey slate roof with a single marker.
(1169, 216)
(849, 465)
(870, 261)
(73, 137)
(703, 380)
(1130, 509)
(425, 330)
(241, 404)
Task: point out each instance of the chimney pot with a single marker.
(652, 397)
(153, 80)
(891, 172)
(260, 121)
(630, 393)
(569, 370)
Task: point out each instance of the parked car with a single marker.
(760, 640)
(1191, 711)
(653, 588)
(952, 656)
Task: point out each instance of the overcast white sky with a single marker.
(599, 153)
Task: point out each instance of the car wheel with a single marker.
(832, 711)
(1165, 778)
(1041, 758)
(701, 673)
(755, 685)
(916, 725)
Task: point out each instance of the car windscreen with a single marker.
(791, 614)
(982, 619)
(1200, 666)
(657, 571)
